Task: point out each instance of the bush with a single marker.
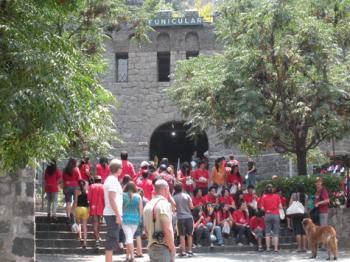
(288, 185)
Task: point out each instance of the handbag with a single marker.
(233, 189)
(282, 214)
(226, 228)
(295, 209)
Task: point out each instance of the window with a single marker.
(190, 54)
(121, 67)
(163, 66)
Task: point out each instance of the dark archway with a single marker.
(171, 140)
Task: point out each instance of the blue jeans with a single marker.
(217, 232)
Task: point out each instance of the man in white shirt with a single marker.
(113, 211)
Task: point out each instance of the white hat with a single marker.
(144, 163)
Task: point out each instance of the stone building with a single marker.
(148, 122)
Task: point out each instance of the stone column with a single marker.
(17, 227)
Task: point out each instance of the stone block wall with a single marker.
(17, 227)
(340, 219)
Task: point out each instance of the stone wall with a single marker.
(143, 105)
(340, 219)
(17, 227)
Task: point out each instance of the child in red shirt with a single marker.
(211, 197)
(102, 169)
(51, 178)
(96, 203)
(197, 198)
(201, 178)
(201, 233)
(257, 226)
(241, 224)
(227, 200)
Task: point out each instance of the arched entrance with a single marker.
(171, 140)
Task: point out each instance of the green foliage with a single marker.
(288, 185)
(282, 82)
(51, 101)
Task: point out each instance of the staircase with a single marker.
(57, 238)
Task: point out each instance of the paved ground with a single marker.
(285, 256)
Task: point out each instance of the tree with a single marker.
(282, 81)
(51, 101)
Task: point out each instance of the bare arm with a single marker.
(76, 194)
(140, 209)
(111, 197)
(168, 234)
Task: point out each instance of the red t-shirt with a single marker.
(270, 203)
(283, 201)
(96, 200)
(233, 179)
(320, 196)
(210, 199)
(187, 186)
(258, 202)
(72, 180)
(85, 172)
(147, 187)
(128, 169)
(102, 172)
(240, 217)
(221, 215)
(227, 200)
(201, 173)
(256, 222)
(248, 198)
(198, 201)
(51, 182)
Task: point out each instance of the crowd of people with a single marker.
(201, 208)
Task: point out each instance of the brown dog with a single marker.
(325, 234)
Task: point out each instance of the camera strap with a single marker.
(154, 214)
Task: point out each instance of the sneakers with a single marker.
(190, 254)
(260, 249)
(182, 254)
(211, 245)
(239, 244)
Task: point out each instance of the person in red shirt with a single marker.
(211, 196)
(84, 168)
(321, 202)
(127, 167)
(224, 217)
(184, 176)
(143, 167)
(257, 226)
(201, 233)
(201, 178)
(250, 199)
(271, 203)
(197, 198)
(211, 223)
(233, 161)
(71, 177)
(233, 177)
(52, 178)
(241, 224)
(227, 200)
(102, 169)
(146, 185)
(96, 203)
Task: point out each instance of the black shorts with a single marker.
(185, 226)
(297, 225)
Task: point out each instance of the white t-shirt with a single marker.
(112, 185)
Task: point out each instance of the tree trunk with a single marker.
(301, 163)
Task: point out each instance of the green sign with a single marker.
(176, 21)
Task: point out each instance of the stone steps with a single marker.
(57, 238)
